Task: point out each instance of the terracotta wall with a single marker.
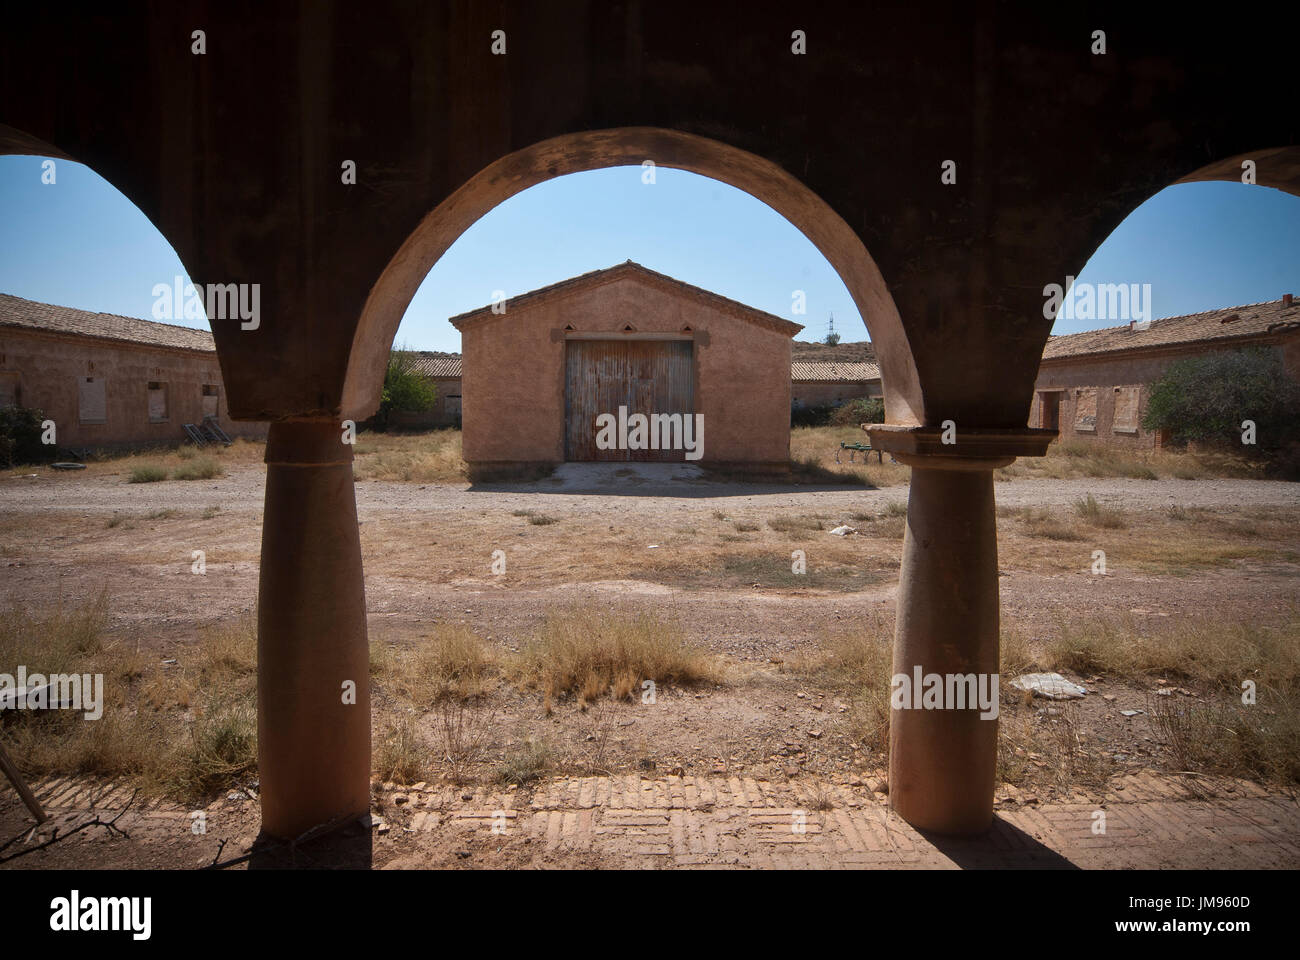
(513, 372)
(46, 370)
(1105, 374)
(817, 394)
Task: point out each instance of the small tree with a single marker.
(860, 410)
(405, 388)
(1208, 397)
(20, 436)
(832, 339)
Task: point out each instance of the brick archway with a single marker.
(591, 150)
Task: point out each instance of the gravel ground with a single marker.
(646, 494)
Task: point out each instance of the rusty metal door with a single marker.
(645, 376)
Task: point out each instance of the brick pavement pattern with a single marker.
(636, 821)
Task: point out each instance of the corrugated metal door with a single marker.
(646, 376)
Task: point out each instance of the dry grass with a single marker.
(1256, 742)
(451, 663)
(1079, 458)
(143, 735)
(1210, 650)
(1097, 515)
(1049, 749)
(161, 457)
(432, 457)
(587, 653)
(199, 468)
(812, 456)
(1041, 522)
(529, 761)
(795, 524)
(147, 473)
(400, 751)
(857, 665)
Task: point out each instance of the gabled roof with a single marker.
(860, 352)
(823, 370)
(436, 364)
(630, 269)
(1252, 320)
(46, 317)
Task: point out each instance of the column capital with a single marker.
(974, 448)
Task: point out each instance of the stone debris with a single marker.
(843, 531)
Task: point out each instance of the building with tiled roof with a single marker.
(545, 371)
(443, 369)
(823, 383)
(48, 318)
(110, 381)
(1094, 386)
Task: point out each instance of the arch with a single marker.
(592, 150)
(1277, 167)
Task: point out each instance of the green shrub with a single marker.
(405, 389)
(860, 410)
(1206, 398)
(20, 436)
(818, 416)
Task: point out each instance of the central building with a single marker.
(546, 374)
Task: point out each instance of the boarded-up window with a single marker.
(209, 400)
(91, 405)
(157, 401)
(1126, 409)
(10, 392)
(1085, 408)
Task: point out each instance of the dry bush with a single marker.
(529, 761)
(1099, 516)
(799, 524)
(1040, 522)
(67, 639)
(147, 473)
(452, 662)
(589, 652)
(200, 468)
(463, 729)
(1215, 651)
(142, 735)
(400, 753)
(858, 664)
(887, 528)
(1256, 742)
(1048, 748)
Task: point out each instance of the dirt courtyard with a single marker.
(781, 708)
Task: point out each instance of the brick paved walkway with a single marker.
(711, 821)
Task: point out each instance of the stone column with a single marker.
(313, 733)
(942, 762)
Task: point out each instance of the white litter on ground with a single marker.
(1053, 686)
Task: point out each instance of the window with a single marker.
(11, 393)
(91, 404)
(210, 400)
(157, 401)
(1126, 409)
(1085, 410)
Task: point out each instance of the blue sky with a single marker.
(80, 243)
